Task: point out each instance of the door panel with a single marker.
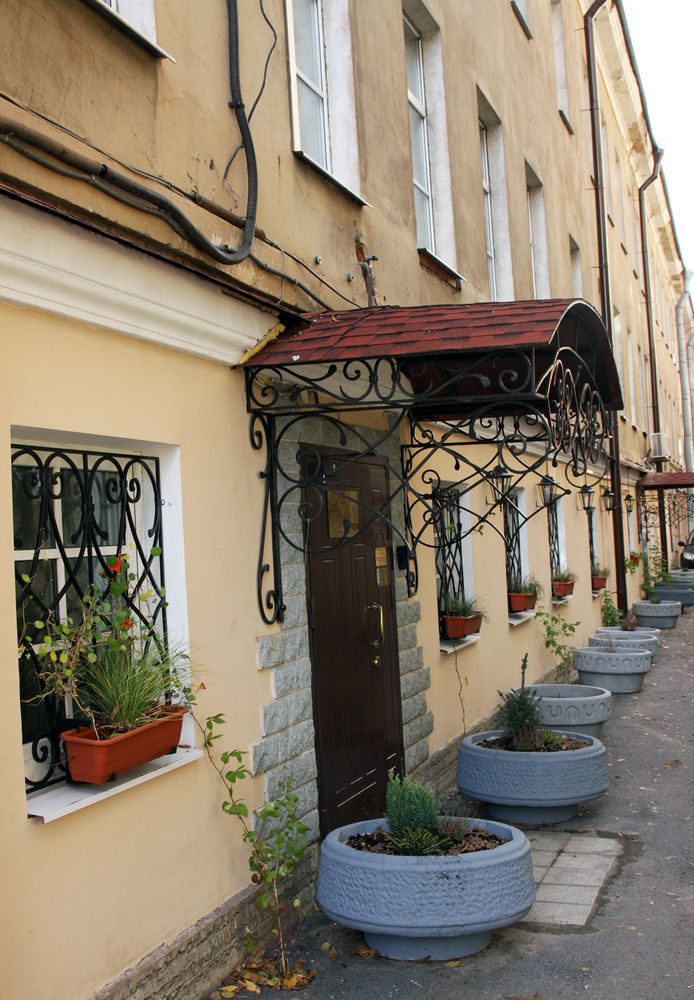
(356, 683)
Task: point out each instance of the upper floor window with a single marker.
(322, 88)
(134, 17)
(560, 61)
(607, 174)
(496, 224)
(537, 225)
(416, 97)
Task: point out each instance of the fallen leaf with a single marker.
(251, 986)
(230, 991)
(453, 963)
(362, 950)
(673, 763)
(325, 946)
(631, 927)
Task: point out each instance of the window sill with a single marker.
(331, 179)
(521, 20)
(122, 25)
(447, 646)
(565, 118)
(519, 617)
(609, 219)
(62, 800)
(563, 600)
(442, 270)
(624, 249)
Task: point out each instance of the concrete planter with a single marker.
(663, 615)
(426, 907)
(528, 787)
(648, 642)
(620, 671)
(634, 633)
(675, 591)
(573, 708)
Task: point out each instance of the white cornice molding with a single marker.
(57, 268)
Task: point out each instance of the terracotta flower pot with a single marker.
(521, 602)
(562, 588)
(598, 582)
(96, 761)
(458, 626)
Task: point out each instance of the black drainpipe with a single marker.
(605, 300)
(653, 365)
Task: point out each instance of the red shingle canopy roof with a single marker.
(666, 481)
(454, 330)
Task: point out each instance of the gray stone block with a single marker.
(414, 682)
(281, 647)
(408, 612)
(407, 637)
(272, 751)
(411, 659)
(294, 581)
(302, 769)
(418, 729)
(416, 755)
(292, 676)
(412, 707)
(285, 712)
(295, 613)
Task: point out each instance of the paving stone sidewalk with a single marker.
(614, 915)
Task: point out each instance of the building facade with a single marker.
(181, 186)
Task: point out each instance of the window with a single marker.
(560, 62)
(576, 269)
(454, 572)
(135, 18)
(322, 89)
(620, 201)
(496, 225)
(607, 176)
(419, 142)
(592, 542)
(72, 511)
(634, 233)
(539, 257)
(520, 9)
(631, 377)
(515, 533)
(428, 134)
(617, 345)
(557, 538)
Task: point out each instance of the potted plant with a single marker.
(632, 561)
(434, 887)
(618, 666)
(598, 576)
(523, 593)
(462, 616)
(563, 584)
(117, 676)
(526, 773)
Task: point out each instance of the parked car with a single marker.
(687, 553)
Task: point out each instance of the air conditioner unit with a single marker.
(658, 446)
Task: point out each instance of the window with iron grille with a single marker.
(553, 530)
(453, 555)
(73, 511)
(591, 538)
(512, 534)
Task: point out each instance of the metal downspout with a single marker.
(605, 300)
(653, 361)
(683, 355)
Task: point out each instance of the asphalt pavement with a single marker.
(638, 940)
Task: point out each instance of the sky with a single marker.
(662, 35)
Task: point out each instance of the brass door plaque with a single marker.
(381, 556)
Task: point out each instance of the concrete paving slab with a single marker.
(584, 844)
(558, 914)
(584, 895)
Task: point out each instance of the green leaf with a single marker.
(26, 578)
(155, 550)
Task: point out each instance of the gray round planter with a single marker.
(648, 642)
(675, 591)
(427, 907)
(634, 633)
(663, 615)
(620, 671)
(531, 787)
(573, 708)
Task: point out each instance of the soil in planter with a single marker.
(381, 842)
(506, 743)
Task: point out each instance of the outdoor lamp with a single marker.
(628, 503)
(586, 493)
(501, 479)
(609, 499)
(549, 490)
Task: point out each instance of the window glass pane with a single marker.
(307, 40)
(413, 63)
(420, 169)
(312, 121)
(42, 597)
(422, 207)
(26, 501)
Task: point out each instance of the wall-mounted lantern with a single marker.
(550, 491)
(587, 493)
(609, 499)
(501, 479)
(628, 503)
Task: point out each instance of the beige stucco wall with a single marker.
(124, 875)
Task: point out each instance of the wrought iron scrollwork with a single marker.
(72, 511)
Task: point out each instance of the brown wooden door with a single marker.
(356, 684)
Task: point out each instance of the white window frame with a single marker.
(58, 800)
(631, 379)
(560, 61)
(419, 144)
(341, 151)
(576, 268)
(537, 226)
(497, 231)
(135, 18)
(607, 173)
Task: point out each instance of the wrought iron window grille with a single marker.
(453, 411)
(72, 511)
(449, 555)
(553, 534)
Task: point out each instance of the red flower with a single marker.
(126, 623)
(115, 567)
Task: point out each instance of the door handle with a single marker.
(377, 643)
